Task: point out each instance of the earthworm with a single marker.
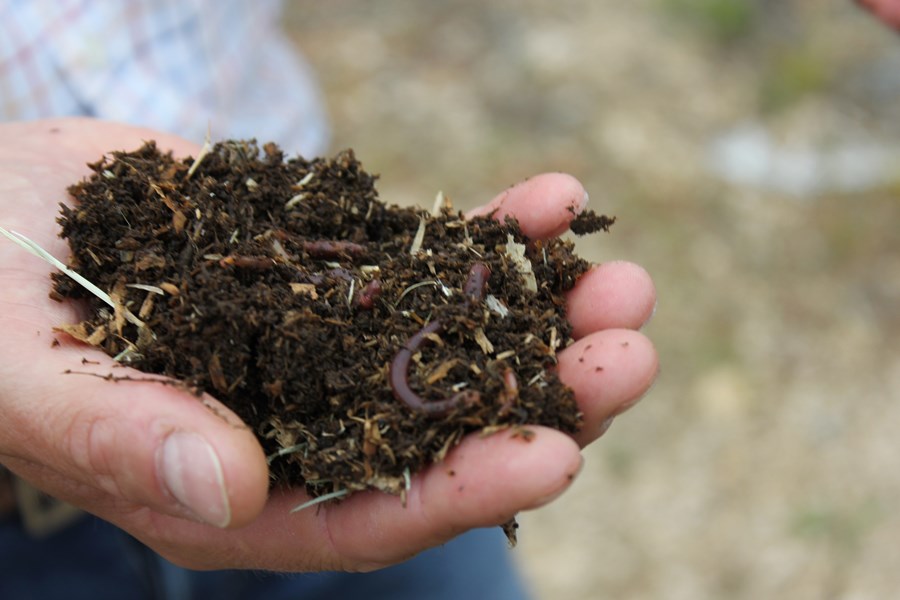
(321, 248)
(264, 263)
(510, 392)
(474, 291)
(368, 295)
(252, 263)
(400, 383)
(479, 273)
(333, 249)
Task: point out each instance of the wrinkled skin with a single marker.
(192, 483)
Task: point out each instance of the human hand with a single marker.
(886, 10)
(191, 482)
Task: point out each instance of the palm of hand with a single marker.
(119, 450)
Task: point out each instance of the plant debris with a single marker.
(359, 341)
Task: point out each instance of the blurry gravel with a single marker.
(764, 464)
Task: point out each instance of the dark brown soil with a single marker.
(288, 290)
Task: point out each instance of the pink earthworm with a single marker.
(399, 373)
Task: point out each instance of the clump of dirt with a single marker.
(360, 341)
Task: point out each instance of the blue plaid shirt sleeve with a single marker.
(175, 65)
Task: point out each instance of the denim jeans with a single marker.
(94, 560)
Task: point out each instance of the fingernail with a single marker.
(569, 478)
(192, 473)
(649, 318)
(629, 403)
(605, 425)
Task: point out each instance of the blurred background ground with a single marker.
(751, 151)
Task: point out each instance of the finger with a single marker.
(79, 140)
(483, 482)
(141, 443)
(611, 295)
(544, 205)
(886, 10)
(609, 371)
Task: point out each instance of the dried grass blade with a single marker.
(320, 500)
(33, 247)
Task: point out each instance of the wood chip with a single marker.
(305, 288)
(216, 374)
(147, 306)
(483, 342)
(150, 261)
(80, 332)
(169, 288)
(419, 238)
(178, 221)
(516, 253)
(441, 371)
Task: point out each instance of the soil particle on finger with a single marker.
(360, 341)
(588, 222)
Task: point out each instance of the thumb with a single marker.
(131, 443)
(105, 446)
